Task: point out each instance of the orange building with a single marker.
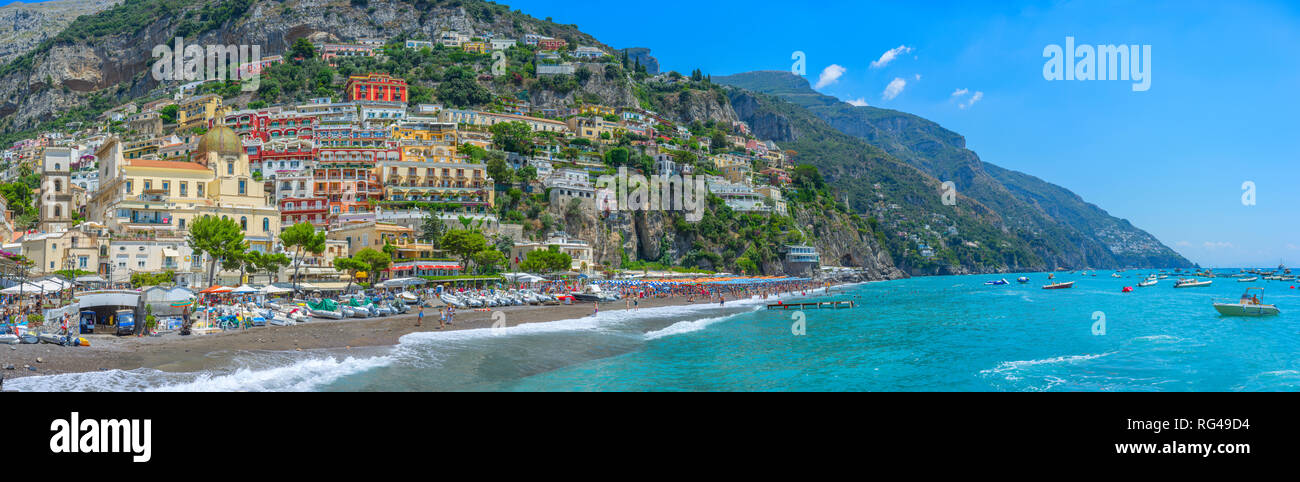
(375, 86)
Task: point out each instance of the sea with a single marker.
(946, 333)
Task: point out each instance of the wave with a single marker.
(688, 326)
(1008, 369)
(302, 375)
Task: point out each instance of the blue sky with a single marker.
(1172, 159)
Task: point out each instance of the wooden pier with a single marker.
(806, 306)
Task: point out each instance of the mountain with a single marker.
(1063, 229)
(25, 25)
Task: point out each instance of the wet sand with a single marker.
(172, 352)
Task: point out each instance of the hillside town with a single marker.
(412, 189)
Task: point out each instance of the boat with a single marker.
(325, 309)
(1059, 286)
(1148, 282)
(1022, 279)
(590, 294)
(1248, 305)
(1248, 280)
(999, 282)
(1191, 283)
(1115, 275)
(9, 339)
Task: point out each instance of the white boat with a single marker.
(1192, 283)
(1115, 275)
(1148, 282)
(1248, 305)
(1248, 280)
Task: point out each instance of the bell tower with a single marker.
(55, 203)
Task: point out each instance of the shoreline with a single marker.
(175, 353)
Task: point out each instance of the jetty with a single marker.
(807, 306)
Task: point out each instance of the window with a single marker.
(266, 225)
(198, 187)
(243, 223)
(128, 187)
(58, 185)
(184, 188)
(243, 187)
(182, 223)
(148, 184)
(167, 186)
(58, 211)
(230, 168)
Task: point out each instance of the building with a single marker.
(376, 86)
(198, 111)
(552, 43)
(55, 201)
(800, 259)
(579, 250)
(480, 118)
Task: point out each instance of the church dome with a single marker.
(221, 140)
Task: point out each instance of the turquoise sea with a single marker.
(949, 333)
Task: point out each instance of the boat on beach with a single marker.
(1059, 286)
(1250, 304)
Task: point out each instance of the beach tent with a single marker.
(522, 277)
(400, 282)
(218, 289)
(25, 288)
(244, 289)
(273, 290)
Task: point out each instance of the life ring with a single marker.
(187, 259)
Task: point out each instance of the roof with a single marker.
(150, 163)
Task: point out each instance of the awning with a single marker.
(90, 278)
(171, 253)
(329, 285)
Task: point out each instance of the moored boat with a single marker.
(1250, 304)
(1059, 286)
(1022, 279)
(1148, 282)
(1192, 283)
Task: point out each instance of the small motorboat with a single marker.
(1148, 282)
(1248, 280)
(1248, 305)
(1059, 286)
(1022, 279)
(1115, 275)
(999, 282)
(1192, 283)
(9, 339)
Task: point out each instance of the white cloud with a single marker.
(959, 92)
(973, 99)
(894, 88)
(859, 102)
(918, 76)
(889, 56)
(829, 76)
(1217, 244)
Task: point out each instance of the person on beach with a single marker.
(596, 306)
(451, 315)
(636, 305)
(442, 317)
(419, 320)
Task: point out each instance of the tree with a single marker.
(464, 243)
(272, 263)
(512, 137)
(217, 238)
(432, 228)
(499, 171)
(305, 238)
(352, 266)
(488, 259)
(525, 174)
(617, 156)
(302, 49)
(377, 261)
(546, 261)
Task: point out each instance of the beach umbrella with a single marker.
(243, 290)
(217, 289)
(272, 289)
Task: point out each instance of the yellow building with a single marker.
(146, 198)
(429, 170)
(479, 47)
(593, 127)
(593, 109)
(198, 111)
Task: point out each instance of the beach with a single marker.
(172, 352)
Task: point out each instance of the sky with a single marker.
(1219, 110)
(1172, 159)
